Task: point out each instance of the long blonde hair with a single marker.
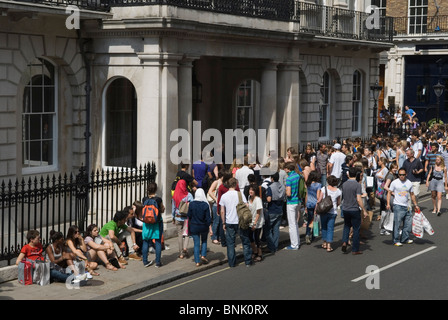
(442, 161)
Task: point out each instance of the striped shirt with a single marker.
(293, 182)
(431, 157)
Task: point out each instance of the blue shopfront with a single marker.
(422, 73)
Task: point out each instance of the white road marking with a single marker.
(394, 264)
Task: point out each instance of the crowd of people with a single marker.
(354, 174)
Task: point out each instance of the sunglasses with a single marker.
(400, 174)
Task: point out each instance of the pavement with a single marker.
(115, 285)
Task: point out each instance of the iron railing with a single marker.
(342, 23)
(55, 203)
(311, 18)
(95, 5)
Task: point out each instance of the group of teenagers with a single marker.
(76, 258)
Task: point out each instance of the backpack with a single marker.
(173, 185)
(244, 214)
(150, 212)
(302, 188)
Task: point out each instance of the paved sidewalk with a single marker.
(135, 278)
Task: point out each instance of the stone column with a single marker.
(288, 98)
(268, 105)
(186, 99)
(158, 107)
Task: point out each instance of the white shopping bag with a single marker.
(417, 224)
(387, 220)
(427, 226)
(41, 274)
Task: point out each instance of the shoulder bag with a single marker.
(325, 205)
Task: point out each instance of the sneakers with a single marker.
(148, 264)
(134, 256)
(307, 239)
(398, 244)
(291, 248)
(79, 278)
(410, 241)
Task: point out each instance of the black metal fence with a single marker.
(56, 203)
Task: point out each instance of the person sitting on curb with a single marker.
(33, 250)
(75, 244)
(115, 231)
(59, 259)
(98, 247)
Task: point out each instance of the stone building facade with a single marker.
(418, 60)
(151, 68)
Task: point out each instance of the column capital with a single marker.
(160, 58)
(270, 65)
(290, 65)
(187, 61)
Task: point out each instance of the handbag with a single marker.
(183, 208)
(316, 226)
(325, 205)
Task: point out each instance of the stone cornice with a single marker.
(171, 27)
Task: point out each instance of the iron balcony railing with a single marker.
(418, 26)
(311, 18)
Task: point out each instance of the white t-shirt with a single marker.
(241, 175)
(254, 207)
(402, 191)
(417, 146)
(334, 197)
(337, 159)
(229, 201)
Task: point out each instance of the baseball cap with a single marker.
(337, 146)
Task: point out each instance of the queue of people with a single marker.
(352, 173)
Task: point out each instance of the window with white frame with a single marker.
(120, 135)
(245, 105)
(39, 118)
(356, 102)
(324, 106)
(418, 16)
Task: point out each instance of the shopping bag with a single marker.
(80, 266)
(185, 233)
(387, 220)
(417, 224)
(41, 273)
(365, 222)
(25, 275)
(426, 225)
(316, 225)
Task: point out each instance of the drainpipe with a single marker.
(86, 58)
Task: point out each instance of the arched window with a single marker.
(120, 134)
(39, 118)
(356, 102)
(324, 113)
